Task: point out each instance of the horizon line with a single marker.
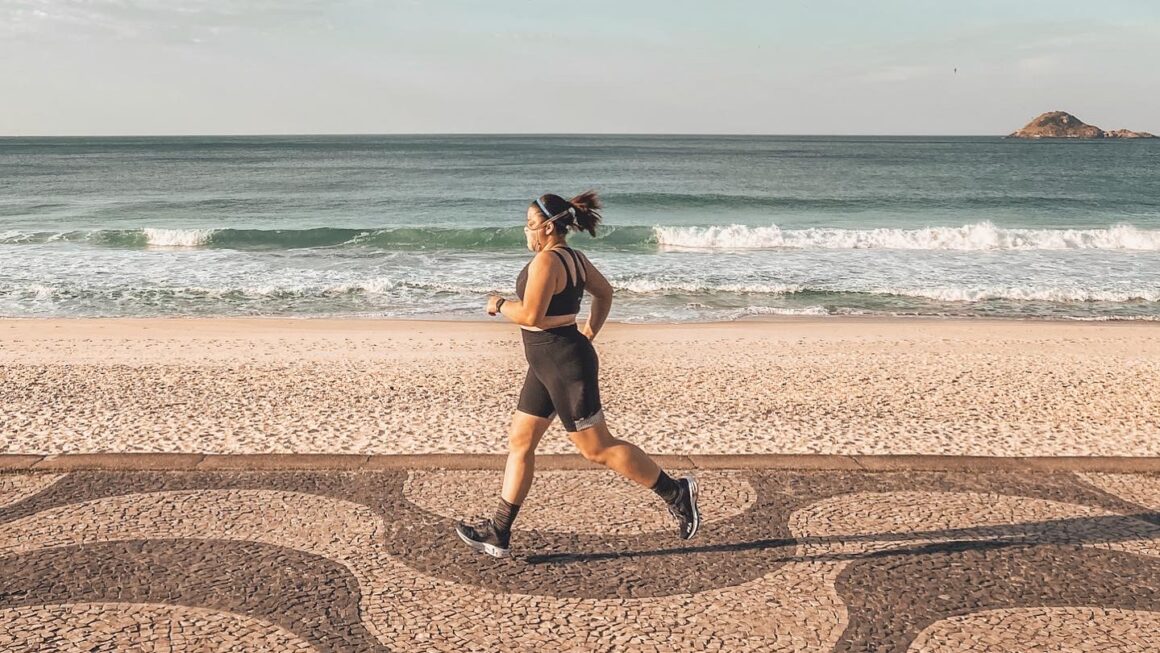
(292, 134)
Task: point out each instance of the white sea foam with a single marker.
(388, 286)
(384, 286)
(771, 310)
(1113, 318)
(654, 286)
(177, 237)
(978, 236)
(381, 286)
(1057, 294)
(41, 291)
(12, 237)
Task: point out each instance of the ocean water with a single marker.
(706, 228)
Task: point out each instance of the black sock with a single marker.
(666, 488)
(505, 514)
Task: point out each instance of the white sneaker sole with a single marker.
(483, 547)
(693, 501)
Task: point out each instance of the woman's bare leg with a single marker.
(523, 438)
(626, 459)
(597, 444)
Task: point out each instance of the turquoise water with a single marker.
(698, 228)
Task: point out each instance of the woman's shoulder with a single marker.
(544, 259)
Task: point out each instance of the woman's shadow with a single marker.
(1102, 529)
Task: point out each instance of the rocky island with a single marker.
(1061, 124)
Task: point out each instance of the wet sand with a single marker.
(801, 385)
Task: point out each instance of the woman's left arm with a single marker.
(601, 292)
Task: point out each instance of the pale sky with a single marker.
(107, 67)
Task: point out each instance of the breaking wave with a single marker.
(982, 236)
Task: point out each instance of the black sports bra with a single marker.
(567, 301)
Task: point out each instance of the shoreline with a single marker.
(336, 320)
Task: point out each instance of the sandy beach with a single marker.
(847, 386)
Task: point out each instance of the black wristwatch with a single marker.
(498, 305)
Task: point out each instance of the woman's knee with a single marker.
(521, 443)
(594, 444)
(595, 453)
(525, 433)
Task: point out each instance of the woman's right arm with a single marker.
(601, 292)
(538, 292)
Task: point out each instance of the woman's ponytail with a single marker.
(586, 205)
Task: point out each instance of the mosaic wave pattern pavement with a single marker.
(785, 561)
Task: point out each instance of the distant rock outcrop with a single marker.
(1061, 124)
(1127, 133)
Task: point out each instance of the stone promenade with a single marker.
(124, 554)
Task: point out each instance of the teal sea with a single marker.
(698, 228)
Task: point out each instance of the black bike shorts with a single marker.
(562, 369)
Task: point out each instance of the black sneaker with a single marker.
(685, 507)
(484, 538)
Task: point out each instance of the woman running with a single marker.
(562, 370)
